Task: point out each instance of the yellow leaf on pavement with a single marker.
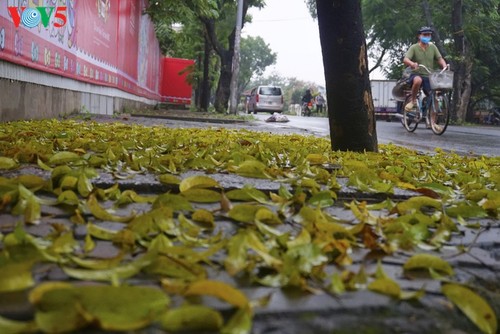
(101, 213)
(473, 306)
(61, 158)
(202, 195)
(197, 182)
(385, 286)
(7, 163)
(220, 290)
(252, 168)
(192, 318)
(428, 261)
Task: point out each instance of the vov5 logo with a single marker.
(31, 17)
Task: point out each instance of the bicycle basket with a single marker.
(398, 91)
(441, 80)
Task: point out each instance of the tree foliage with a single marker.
(221, 34)
(208, 28)
(391, 27)
(256, 56)
(167, 13)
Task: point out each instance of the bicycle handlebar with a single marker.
(425, 67)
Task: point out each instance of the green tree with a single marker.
(221, 33)
(181, 34)
(217, 19)
(481, 28)
(465, 34)
(167, 13)
(256, 56)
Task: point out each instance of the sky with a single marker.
(290, 31)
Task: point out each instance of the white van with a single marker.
(266, 98)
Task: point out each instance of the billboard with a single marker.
(104, 42)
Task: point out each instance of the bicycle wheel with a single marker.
(439, 112)
(410, 118)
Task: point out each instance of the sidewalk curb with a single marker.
(193, 119)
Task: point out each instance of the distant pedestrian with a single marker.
(247, 102)
(320, 102)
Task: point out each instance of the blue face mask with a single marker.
(425, 39)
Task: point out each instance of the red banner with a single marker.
(104, 42)
(128, 35)
(97, 30)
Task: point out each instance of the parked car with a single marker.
(266, 98)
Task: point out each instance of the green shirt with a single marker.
(427, 57)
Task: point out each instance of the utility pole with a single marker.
(233, 98)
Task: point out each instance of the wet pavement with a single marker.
(295, 312)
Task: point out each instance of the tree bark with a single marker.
(223, 86)
(205, 85)
(226, 60)
(351, 112)
(234, 95)
(462, 67)
(464, 112)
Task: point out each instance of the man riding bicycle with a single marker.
(426, 53)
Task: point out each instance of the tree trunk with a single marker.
(198, 88)
(351, 112)
(205, 85)
(234, 95)
(463, 112)
(462, 67)
(223, 86)
(226, 60)
(437, 37)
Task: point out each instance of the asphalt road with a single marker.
(463, 140)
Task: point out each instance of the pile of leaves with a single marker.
(171, 247)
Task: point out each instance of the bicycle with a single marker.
(436, 103)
